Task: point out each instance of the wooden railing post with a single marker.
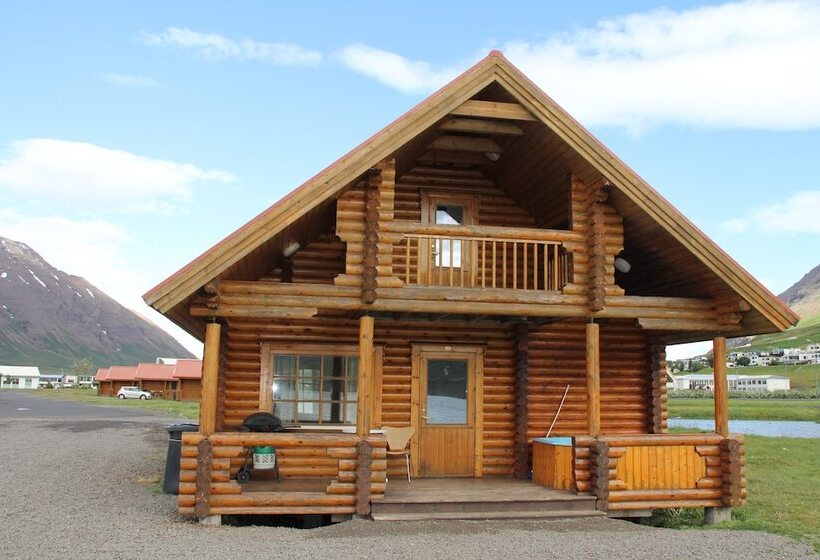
(210, 377)
(593, 370)
(721, 386)
(364, 405)
(521, 454)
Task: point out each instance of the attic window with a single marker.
(448, 214)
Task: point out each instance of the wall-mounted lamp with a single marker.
(291, 249)
(492, 156)
(622, 265)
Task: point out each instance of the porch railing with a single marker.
(491, 258)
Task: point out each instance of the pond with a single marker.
(771, 428)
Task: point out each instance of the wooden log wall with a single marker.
(593, 264)
(351, 209)
(319, 262)
(733, 471)
(557, 358)
(210, 487)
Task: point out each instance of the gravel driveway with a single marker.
(80, 486)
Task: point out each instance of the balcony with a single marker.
(483, 257)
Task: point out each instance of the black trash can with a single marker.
(170, 485)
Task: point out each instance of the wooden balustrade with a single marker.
(209, 465)
(661, 470)
(468, 261)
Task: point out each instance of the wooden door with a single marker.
(446, 414)
(447, 261)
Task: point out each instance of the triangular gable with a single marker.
(493, 68)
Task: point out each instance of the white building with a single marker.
(705, 381)
(19, 377)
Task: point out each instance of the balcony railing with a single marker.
(482, 257)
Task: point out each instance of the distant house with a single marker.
(99, 377)
(19, 377)
(189, 376)
(118, 377)
(50, 379)
(705, 381)
(157, 378)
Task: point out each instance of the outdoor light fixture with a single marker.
(492, 156)
(622, 265)
(291, 249)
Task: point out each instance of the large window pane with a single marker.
(447, 391)
(284, 365)
(285, 411)
(315, 388)
(284, 389)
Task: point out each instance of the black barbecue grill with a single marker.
(262, 422)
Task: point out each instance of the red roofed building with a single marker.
(117, 377)
(189, 376)
(157, 378)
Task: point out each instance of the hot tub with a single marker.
(552, 462)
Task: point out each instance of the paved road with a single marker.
(22, 405)
(79, 481)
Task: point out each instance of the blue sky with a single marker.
(133, 136)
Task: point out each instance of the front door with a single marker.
(446, 383)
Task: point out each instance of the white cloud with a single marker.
(129, 80)
(95, 250)
(689, 350)
(213, 46)
(100, 176)
(745, 64)
(394, 70)
(796, 214)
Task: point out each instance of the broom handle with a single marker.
(560, 406)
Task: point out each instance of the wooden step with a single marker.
(478, 505)
(486, 515)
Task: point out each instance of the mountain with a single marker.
(804, 298)
(50, 319)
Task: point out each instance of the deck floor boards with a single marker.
(472, 490)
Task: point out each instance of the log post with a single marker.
(596, 245)
(657, 362)
(721, 386)
(370, 256)
(210, 377)
(521, 465)
(364, 471)
(364, 405)
(593, 368)
(204, 451)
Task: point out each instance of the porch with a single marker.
(478, 498)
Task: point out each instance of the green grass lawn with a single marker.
(748, 409)
(188, 410)
(784, 489)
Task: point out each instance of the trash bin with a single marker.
(170, 484)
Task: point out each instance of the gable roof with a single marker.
(121, 373)
(155, 372)
(188, 369)
(101, 375)
(20, 371)
(174, 291)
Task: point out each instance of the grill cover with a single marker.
(262, 422)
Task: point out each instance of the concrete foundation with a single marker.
(211, 520)
(715, 515)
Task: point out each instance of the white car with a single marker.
(133, 393)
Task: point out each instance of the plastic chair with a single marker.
(397, 442)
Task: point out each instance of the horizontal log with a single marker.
(664, 495)
(685, 325)
(660, 504)
(284, 439)
(278, 510)
(489, 232)
(493, 109)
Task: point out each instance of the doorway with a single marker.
(447, 390)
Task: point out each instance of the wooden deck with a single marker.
(478, 498)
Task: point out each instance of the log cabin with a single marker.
(486, 272)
